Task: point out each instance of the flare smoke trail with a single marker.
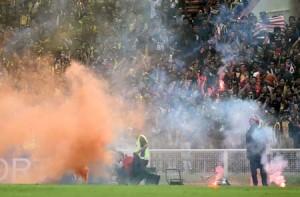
(219, 172)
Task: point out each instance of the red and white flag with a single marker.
(277, 21)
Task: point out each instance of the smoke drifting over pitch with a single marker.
(62, 127)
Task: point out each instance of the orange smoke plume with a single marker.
(62, 126)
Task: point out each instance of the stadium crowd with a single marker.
(176, 57)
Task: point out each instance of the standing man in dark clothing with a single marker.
(256, 150)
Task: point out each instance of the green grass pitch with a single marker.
(142, 191)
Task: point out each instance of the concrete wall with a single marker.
(276, 7)
(272, 6)
(295, 8)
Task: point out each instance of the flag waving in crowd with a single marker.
(269, 25)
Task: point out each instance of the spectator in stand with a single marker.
(162, 52)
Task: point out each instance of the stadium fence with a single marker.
(198, 165)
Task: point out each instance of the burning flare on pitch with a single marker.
(275, 169)
(283, 184)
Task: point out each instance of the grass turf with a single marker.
(142, 191)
